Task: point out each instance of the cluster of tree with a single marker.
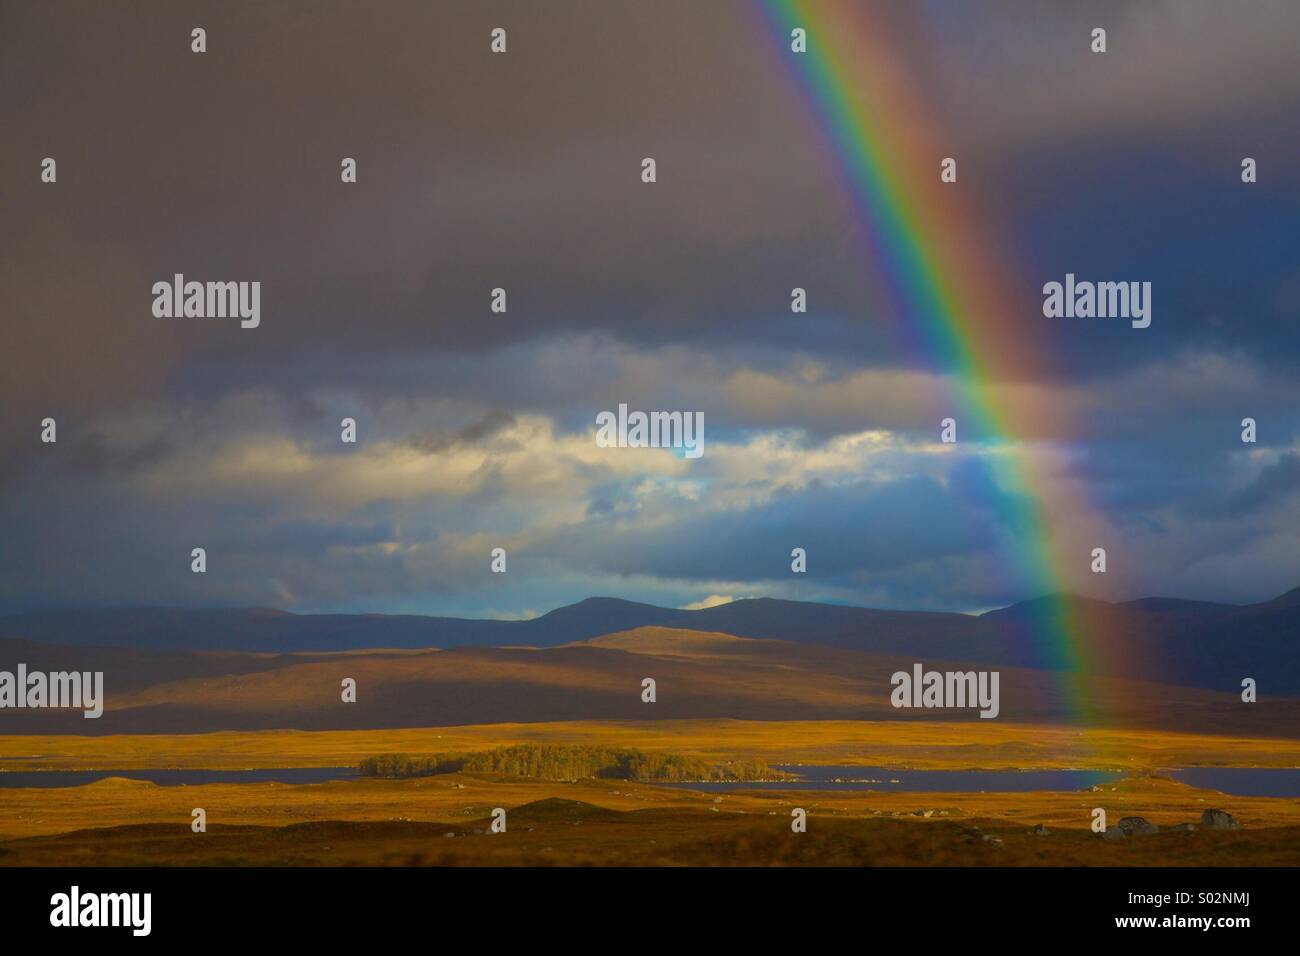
(567, 763)
(404, 765)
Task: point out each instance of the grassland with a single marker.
(920, 745)
(603, 822)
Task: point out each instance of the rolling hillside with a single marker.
(698, 675)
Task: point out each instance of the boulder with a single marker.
(1113, 833)
(1219, 820)
(1138, 826)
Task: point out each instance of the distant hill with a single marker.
(262, 629)
(698, 675)
(1190, 643)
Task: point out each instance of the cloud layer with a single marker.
(522, 172)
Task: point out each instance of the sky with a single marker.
(476, 430)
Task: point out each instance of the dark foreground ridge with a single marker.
(559, 832)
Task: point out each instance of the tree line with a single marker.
(541, 762)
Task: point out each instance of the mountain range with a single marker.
(1172, 641)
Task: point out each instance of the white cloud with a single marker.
(713, 600)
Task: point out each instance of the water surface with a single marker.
(175, 778)
(921, 781)
(1242, 781)
(1237, 781)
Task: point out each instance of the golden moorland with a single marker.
(444, 819)
(723, 700)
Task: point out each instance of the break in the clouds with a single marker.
(476, 429)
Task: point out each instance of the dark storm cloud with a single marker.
(90, 455)
(430, 443)
(521, 172)
(1274, 483)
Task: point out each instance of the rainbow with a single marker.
(951, 302)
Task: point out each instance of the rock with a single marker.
(1040, 830)
(1183, 827)
(922, 813)
(991, 839)
(1138, 826)
(449, 835)
(1113, 833)
(1219, 820)
(717, 799)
